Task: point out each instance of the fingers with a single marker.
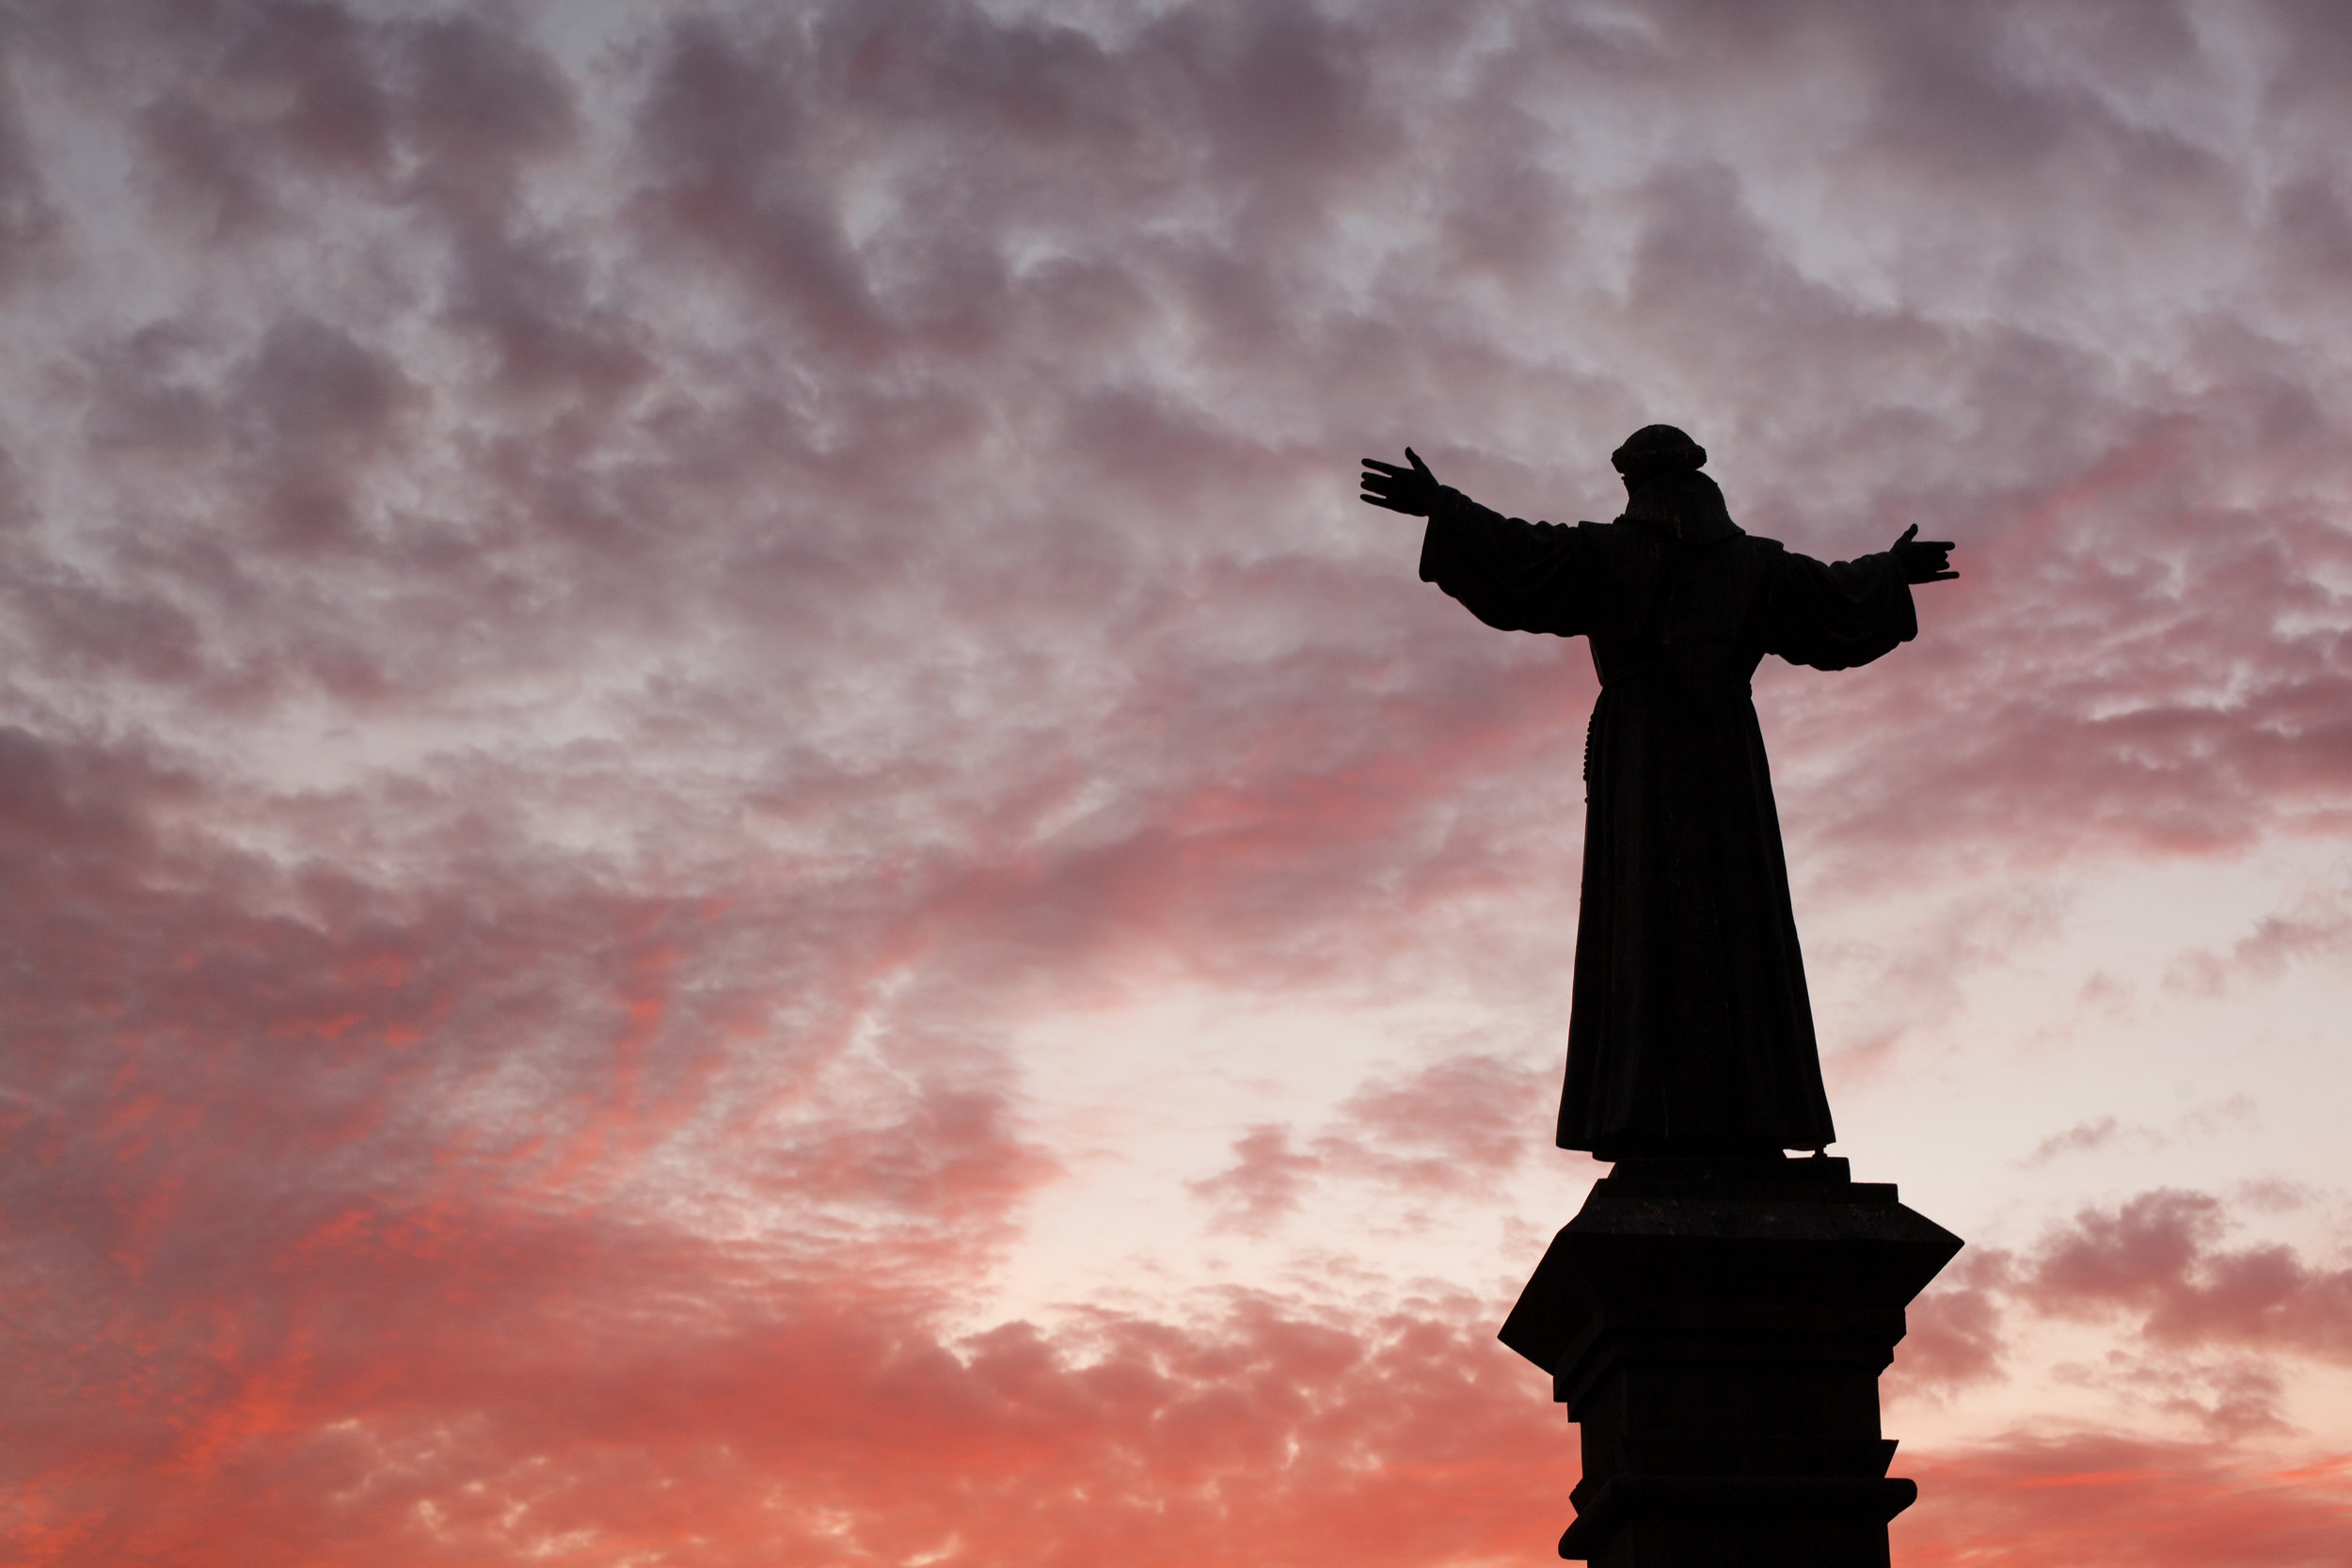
(1940, 576)
(1410, 491)
(1911, 540)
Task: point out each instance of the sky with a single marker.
(724, 842)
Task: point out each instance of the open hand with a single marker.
(1412, 491)
(1921, 560)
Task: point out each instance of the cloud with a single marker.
(28, 220)
(1954, 1333)
(2098, 1499)
(2206, 1332)
(1263, 1183)
(322, 1190)
(2157, 1258)
(2102, 1133)
(2318, 929)
(501, 1378)
(599, 609)
(1451, 1129)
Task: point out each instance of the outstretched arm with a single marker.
(1514, 575)
(1921, 560)
(1412, 491)
(1838, 614)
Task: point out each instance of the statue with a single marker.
(1690, 1031)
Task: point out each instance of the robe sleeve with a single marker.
(1514, 575)
(1838, 615)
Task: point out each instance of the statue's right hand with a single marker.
(1412, 491)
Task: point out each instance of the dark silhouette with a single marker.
(1717, 1315)
(1690, 1032)
(1717, 1328)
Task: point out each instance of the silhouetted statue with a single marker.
(1690, 1032)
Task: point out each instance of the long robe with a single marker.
(1690, 1031)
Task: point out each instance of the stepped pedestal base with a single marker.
(1716, 1329)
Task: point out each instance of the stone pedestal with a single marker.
(1716, 1329)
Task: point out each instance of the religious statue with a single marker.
(1690, 1031)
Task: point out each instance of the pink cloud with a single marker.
(1263, 1183)
(2157, 1256)
(2104, 1133)
(2205, 1330)
(1454, 1127)
(1954, 1334)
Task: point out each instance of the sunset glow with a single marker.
(725, 845)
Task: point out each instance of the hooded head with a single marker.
(1657, 449)
(1664, 488)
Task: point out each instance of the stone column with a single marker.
(1716, 1329)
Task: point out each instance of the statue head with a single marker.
(1653, 449)
(1664, 488)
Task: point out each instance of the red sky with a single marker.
(724, 844)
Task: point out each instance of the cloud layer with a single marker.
(604, 608)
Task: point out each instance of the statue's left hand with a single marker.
(1412, 491)
(1923, 559)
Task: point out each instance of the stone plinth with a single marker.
(1716, 1329)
